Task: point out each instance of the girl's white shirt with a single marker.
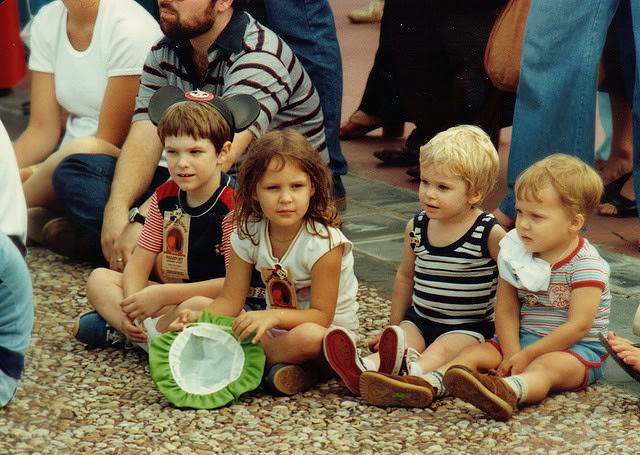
(303, 252)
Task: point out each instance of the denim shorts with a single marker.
(592, 354)
(431, 331)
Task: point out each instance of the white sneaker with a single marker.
(392, 348)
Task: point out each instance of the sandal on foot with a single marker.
(614, 355)
(612, 189)
(397, 157)
(625, 207)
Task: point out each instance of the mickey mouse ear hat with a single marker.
(205, 366)
(240, 111)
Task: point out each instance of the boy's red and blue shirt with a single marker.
(208, 238)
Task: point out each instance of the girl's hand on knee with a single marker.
(254, 321)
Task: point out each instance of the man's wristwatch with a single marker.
(135, 216)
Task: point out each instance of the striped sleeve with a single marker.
(589, 271)
(266, 79)
(151, 236)
(151, 79)
(227, 228)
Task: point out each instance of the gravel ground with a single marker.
(75, 401)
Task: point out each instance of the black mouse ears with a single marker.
(240, 111)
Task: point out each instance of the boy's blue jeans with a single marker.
(555, 106)
(16, 309)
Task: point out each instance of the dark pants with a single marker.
(82, 183)
(429, 68)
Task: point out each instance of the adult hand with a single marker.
(113, 225)
(255, 321)
(144, 303)
(124, 246)
(132, 331)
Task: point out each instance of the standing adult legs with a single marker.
(555, 104)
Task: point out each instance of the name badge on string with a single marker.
(175, 246)
(280, 287)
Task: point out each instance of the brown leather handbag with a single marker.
(503, 53)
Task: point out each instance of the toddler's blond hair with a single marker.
(578, 185)
(465, 151)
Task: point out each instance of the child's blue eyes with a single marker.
(440, 187)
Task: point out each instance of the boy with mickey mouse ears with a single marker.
(196, 129)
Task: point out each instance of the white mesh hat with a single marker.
(205, 366)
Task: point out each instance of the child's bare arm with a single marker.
(402, 293)
(136, 273)
(507, 323)
(231, 298)
(325, 282)
(403, 283)
(153, 300)
(496, 234)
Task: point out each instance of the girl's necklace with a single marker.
(274, 239)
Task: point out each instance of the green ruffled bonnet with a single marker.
(205, 366)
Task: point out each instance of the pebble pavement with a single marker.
(77, 401)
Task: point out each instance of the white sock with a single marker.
(519, 386)
(368, 364)
(415, 369)
(435, 378)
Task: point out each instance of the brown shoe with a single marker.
(61, 236)
(487, 392)
(291, 379)
(37, 218)
(387, 390)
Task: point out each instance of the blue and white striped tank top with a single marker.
(454, 284)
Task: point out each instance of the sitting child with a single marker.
(287, 230)
(444, 291)
(552, 302)
(182, 234)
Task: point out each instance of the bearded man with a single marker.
(210, 45)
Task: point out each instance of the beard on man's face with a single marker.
(175, 28)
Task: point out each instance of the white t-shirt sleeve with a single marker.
(244, 248)
(44, 37)
(13, 209)
(130, 41)
(321, 246)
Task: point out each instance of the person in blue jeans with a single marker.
(308, 27)
(555, 105)
(16, 295)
